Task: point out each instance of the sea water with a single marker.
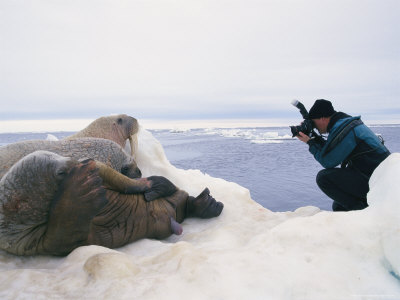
(277, 169)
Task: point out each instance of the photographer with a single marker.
(351, 144)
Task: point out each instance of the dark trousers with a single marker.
(347, 187)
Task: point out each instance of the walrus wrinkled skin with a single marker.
(117, 128)
(50, 204)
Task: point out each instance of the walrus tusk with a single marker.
(133, 142)
(119, 182)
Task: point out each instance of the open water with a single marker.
(277, 169)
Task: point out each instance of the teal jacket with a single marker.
(350, 143)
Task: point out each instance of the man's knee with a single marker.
(336, 206)
(323, 177)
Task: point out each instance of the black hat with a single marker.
(321, 108)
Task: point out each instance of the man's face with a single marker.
(321, 124)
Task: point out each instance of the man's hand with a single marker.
(303, 137)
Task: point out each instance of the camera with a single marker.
(307, 125)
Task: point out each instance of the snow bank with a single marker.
(248, 252)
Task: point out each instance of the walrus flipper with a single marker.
(80, 197)
(118, 182)
(160, 187)
(153, 187)
(204, 206)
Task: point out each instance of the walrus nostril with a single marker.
(131, 171)
(134, 173)
(125, 170)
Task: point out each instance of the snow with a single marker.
(248, 252)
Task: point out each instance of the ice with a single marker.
(51, 137)
(248, 252)
(255, 136)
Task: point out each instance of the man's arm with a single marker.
(334, 157)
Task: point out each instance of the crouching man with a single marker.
(350, 143)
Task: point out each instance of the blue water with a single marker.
(278, 170)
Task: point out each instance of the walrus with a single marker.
(99, 149)
(117, 128)
(51, 204)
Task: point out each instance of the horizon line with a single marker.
(77, 124)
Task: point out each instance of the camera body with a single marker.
(307, 125)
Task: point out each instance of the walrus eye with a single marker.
(119, 121)
(60, 174)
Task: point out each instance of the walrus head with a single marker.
(47, 202)
(131, 170)
(126, 127)
(27, 189)
(117, 128)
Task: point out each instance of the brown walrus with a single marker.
(117, 128)
(50, 204)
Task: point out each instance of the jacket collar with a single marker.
(335, 117)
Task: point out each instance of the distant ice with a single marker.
(255, 135)
(266, 141)
(51, 137)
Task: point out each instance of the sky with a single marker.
(198, 59)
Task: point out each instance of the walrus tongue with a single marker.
(134, 144)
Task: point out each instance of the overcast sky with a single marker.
(191, 59)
